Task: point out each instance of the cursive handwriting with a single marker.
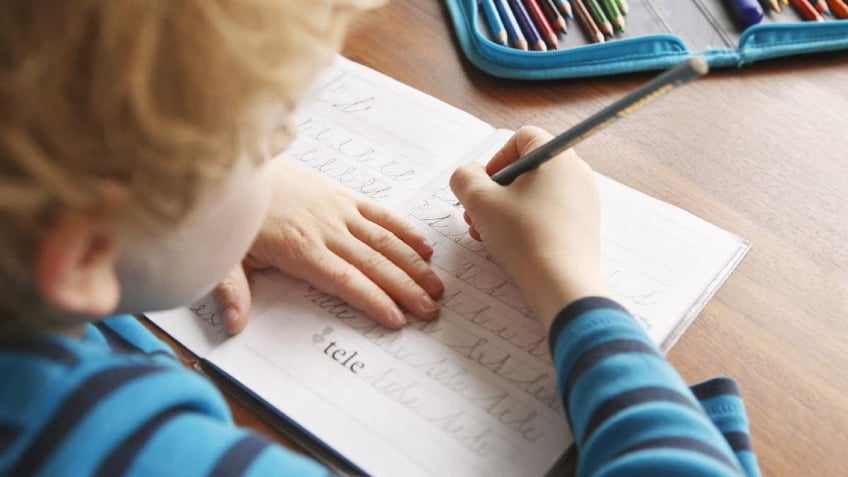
(334, 168)
(340, 141)
(486, 318)
(456, 423)
(208, 313)
(538, 385)
(493, 283)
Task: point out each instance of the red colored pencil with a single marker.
(839, 8)
(820, 6)
(541, 22)
(807, 11)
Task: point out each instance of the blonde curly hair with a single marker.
(149, 101)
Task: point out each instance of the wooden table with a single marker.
(761, 151)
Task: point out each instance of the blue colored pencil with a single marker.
(495, 24)
(513, 31)
(534, 39)
(747, 12)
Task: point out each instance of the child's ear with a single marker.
(75, 267)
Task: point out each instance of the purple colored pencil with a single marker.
(534, 39)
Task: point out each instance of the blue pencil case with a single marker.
(659, 34)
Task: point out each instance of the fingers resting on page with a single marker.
(343, 245)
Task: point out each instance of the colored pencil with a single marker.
(513, 31)
(657, 87)
(821, 6)
(613, 13)
(565, 8)
(774, 5)
(747, 12)
(554, 17)
(545, 29)
(807, 11)
(592, 31)
(599, 16)
(623, 6)
(534, 40)
(839, 8)
(494, 20)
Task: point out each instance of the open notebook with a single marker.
(472, 393)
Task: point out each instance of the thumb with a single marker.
(469, 181)
(232, 296)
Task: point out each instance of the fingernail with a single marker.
(396, 317)
(428, 304)
(427, 247)
(231, 316)
(433, 284)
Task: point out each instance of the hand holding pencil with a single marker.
(545, 230)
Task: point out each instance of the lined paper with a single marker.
(474, 392)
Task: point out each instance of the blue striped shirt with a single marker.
(118, 402)
(631, 413)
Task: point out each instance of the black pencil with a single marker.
(679, 75)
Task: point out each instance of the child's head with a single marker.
(132, 134)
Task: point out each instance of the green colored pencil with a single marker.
(599, 16)
(613, 13)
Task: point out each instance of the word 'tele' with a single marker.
(344, 357)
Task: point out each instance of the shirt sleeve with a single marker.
(189, 444)
(73, 409)
(629, 410)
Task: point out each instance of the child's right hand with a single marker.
(544, 227)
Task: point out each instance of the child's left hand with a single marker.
(342, 244)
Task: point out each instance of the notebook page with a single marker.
(378, 137)
(659, 261)
(472, 393)
(435, 398)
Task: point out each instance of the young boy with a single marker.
(134, 176)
